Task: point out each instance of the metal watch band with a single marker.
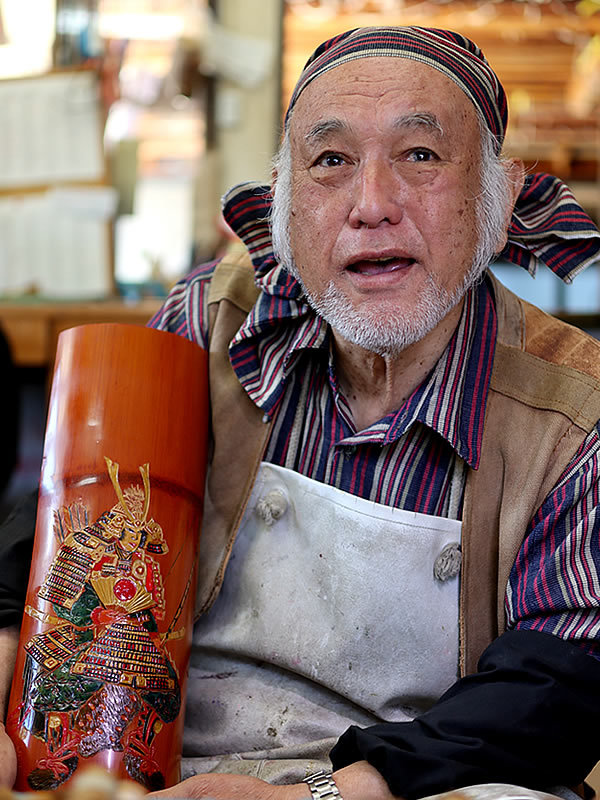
(322, 786)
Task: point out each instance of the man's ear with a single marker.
(273, 179)
(516, 176)
(515, 170)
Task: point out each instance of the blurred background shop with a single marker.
(123, 121)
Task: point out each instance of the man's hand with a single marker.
(9, 640)
(233, 787)
(8, 759)
(358, 781)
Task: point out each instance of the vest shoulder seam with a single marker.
(233, 280)
(536, 382)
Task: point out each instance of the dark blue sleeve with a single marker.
(16, 547)
(529, 717)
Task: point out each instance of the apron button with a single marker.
(447, 564)
(272, 506)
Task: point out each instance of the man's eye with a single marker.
(422, 154)
(330, 160)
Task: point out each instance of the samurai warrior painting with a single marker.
(101, 678)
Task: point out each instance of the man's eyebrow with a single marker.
(420, 119)
(321, 129)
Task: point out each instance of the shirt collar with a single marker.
(281, 327)
(452, 399)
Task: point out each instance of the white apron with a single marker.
(329, 615)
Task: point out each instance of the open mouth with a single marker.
(379, 266)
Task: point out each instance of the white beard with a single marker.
(388, 330)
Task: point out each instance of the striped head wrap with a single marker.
(548, 225)
(452, 54)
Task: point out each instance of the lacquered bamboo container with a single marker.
(102, 662)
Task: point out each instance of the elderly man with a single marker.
(383, 408)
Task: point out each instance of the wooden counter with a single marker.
(32, 328)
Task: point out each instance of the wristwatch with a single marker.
(322, 786)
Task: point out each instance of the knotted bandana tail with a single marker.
(549, 227)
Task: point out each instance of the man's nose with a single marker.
(376, 197)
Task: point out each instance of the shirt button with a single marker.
(350, 449)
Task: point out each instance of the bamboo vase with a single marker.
(102, 661)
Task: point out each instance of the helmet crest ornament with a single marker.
(113, 471)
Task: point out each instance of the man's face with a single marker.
(385, 178)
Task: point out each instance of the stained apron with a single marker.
(329, 616)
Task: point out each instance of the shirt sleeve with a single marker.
(554, 585)
(16, 546)
(185, 310)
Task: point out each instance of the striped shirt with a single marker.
(414, 458)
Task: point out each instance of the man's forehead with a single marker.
(411, 93)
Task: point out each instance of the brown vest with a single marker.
(543, 401)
